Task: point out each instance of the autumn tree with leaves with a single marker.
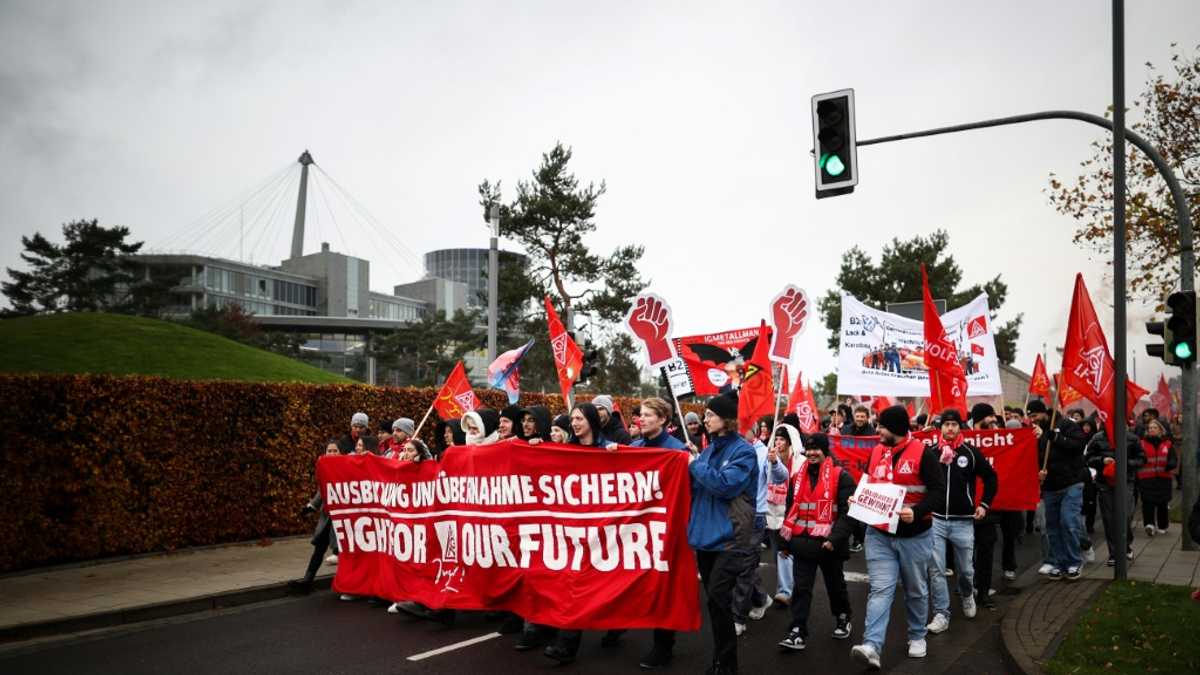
(1168, 117)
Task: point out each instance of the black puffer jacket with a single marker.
(1065, 444)
(1099, 449)
(615, 430)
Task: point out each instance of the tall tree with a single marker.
(619, 373)
(1168, 117)
(550, 217)
(897, 278)
(81, 274)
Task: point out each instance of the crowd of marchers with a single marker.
(784, 492)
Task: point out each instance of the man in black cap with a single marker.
(1061, 451)
(956, 523)
(905, 555)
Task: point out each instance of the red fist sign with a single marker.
(789, 314)
(649, 318)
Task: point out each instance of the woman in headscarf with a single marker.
(481, 426)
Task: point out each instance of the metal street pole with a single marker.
(493, 279)
(1120, 424)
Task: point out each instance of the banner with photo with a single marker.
(706, 364)
(883, 354)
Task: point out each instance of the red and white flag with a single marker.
(947, 381)
(1039, 382)
(804, 404)
(756, 397)
(455, 398)
(1161, 398)
(568, 357)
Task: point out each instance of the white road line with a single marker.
(450, 648)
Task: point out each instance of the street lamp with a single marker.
(493, 217)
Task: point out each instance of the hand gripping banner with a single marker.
(562, 536)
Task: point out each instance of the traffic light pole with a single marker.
(1187, 273)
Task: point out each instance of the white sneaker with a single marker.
(1090, 555)
(331, 560)
(1046, 569)
(739, 628)
(917, 649)
(1150, 530)
(1161, 531)
(1010, 574)
(949, 571)
(757, 613)
(939, 625)
(394, 608)
(866, 655)
(969, 608)
(991, 592)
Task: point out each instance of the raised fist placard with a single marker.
(789, 314)
(649, 319)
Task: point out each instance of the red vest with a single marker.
(814, 507)
(777, 492)
(903, 467)
(1156, 461)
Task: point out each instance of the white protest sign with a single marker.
(649, 319)
(877, 503)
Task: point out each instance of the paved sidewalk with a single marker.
(72, 598)
(1160, 559)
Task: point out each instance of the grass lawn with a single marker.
(114, 344)
(1134, 627)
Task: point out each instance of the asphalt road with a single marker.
(321, 634)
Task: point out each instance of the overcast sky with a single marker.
(152, 114)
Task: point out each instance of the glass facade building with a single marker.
(469, 266)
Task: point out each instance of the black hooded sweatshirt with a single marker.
(967, 465)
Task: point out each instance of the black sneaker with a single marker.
(1073, 573)
(794, 641)
(842, 630)
(1111, 562)
(611, 638)
(532, 638)
(511, 625)
(658, 657)
(856, 548)
(557, 652)
(987, 603)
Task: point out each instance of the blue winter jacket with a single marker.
(724, 495)
(662, 440)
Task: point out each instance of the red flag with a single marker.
(947, 381)
(1088, 365)
(804, 404)
(1066, 395)
(912, 411)
(1039, 382)
(881, 403)
(456, 398)
(568, 357)
(757, 394)
(1161, 398)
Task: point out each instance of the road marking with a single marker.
(450, 648)
(857, 577)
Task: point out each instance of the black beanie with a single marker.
(818, 441)
(951, 415)
(981, 411)
(1036, 406)
(895, 420)
(792, 419)
(724, 406)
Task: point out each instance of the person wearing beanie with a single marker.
(695, 431)
(358, 427)
(510, 423)
(721, 524)
(816, 535)
(1102, 459)
(560, 429)
(954, 524)
(393, 443)
(983, 416)
(611, 425)
(1060, 451)
(905, 555)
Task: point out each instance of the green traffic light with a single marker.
(833, 165)
(1183, 350)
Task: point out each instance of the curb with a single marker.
(1016, 658)
(152, 612)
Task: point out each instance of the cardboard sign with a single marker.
(877, 503)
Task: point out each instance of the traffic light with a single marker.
(835, 155)
(591, 358)
(1160, 351)
(1180, 333)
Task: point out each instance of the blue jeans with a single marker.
(889, 559)
(1063, 525)
(785, 577)
(961, 535)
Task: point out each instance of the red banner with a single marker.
(712, 359)
(562, 536)
(1012, 452)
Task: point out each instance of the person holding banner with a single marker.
(511, 423)
(535, 423)
(481, 426)
(956, 523)
(721, 527)
(816, 535)
(903, 551)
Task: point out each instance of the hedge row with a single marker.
(95, 466)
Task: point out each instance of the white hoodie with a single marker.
(776, 512)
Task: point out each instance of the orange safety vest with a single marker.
(1156, 461)
(814, 506)
(904, 469)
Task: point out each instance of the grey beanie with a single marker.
(404, 424)
(691, 418)
(360, 418)
(603, 401)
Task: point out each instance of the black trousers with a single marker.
(1089, 506)
(747, 592)
(320, 544)
(804, 577)
(1011, 523)
(1154, 513)
(719, 572)
(985, 552)
(1108, 500)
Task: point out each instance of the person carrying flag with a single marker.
(904, 556)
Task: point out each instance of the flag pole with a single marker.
(417, 433)
(679, 411)
(775, 406)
